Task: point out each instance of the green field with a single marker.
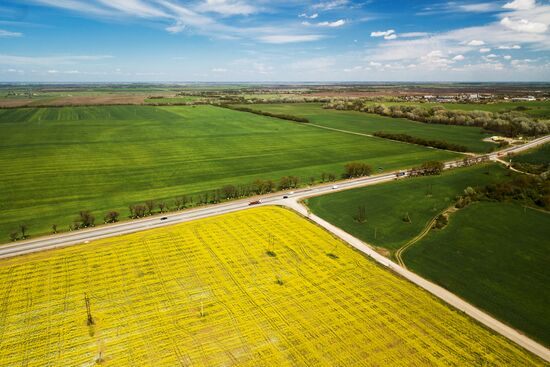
(494, 255)
(540, 155)
(470, 137)
(59, 161)
(387, 205)
(499, 262)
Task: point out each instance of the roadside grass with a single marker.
(58, 161)
(495, 255)
(205, 293)
(471, 137)
(398, 211)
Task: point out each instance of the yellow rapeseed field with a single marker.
(253, 288)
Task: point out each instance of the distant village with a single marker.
(473, 98)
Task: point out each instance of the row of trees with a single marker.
(429, 168)
(270, 114)
(439, 144)
(86, 218)
(510, 123)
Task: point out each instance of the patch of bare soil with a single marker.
(94, 100)
(14, 102)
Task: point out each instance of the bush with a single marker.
(428, 169)
(357, 169)
(441, 221)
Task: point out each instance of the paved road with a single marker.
(83, 236)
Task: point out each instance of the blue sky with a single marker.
(295, 40)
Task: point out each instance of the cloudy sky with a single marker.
(275, 40)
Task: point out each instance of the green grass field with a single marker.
(471, 137)
(540, 155)
(58, 161)
(495, 255)
(387, 205)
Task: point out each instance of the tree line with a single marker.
(511, 123)
(430, 168)
(269, 114)
(86, 219)
(439, 144)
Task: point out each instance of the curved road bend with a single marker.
(83, 236)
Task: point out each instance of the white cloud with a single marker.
(8, 34)
(315, 64)
(484, 50)
(49, 60)
(507, 57)
(390, 36)
(523, 25)
(513, 47)
(477, 7)
(476, 43)
(375, 64)
(330, 5)
(312, 16)
(335, 24)
(458, 58)
(134, 7)
(520, 5)
(413, 34)
(491, 56)
(356, 69)
(227, 7)
(288, 38)
(435, 58)
(387, 33)
(219, 70)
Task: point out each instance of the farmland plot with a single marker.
(253, 288)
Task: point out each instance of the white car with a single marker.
(291, 193)
(334, 187)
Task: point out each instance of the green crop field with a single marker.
(387, 205)
(59, 161)
(540, 155)
(470, 137)
(206, 293)
(500, 260)
(498, 250)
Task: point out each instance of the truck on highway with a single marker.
(259, 201)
